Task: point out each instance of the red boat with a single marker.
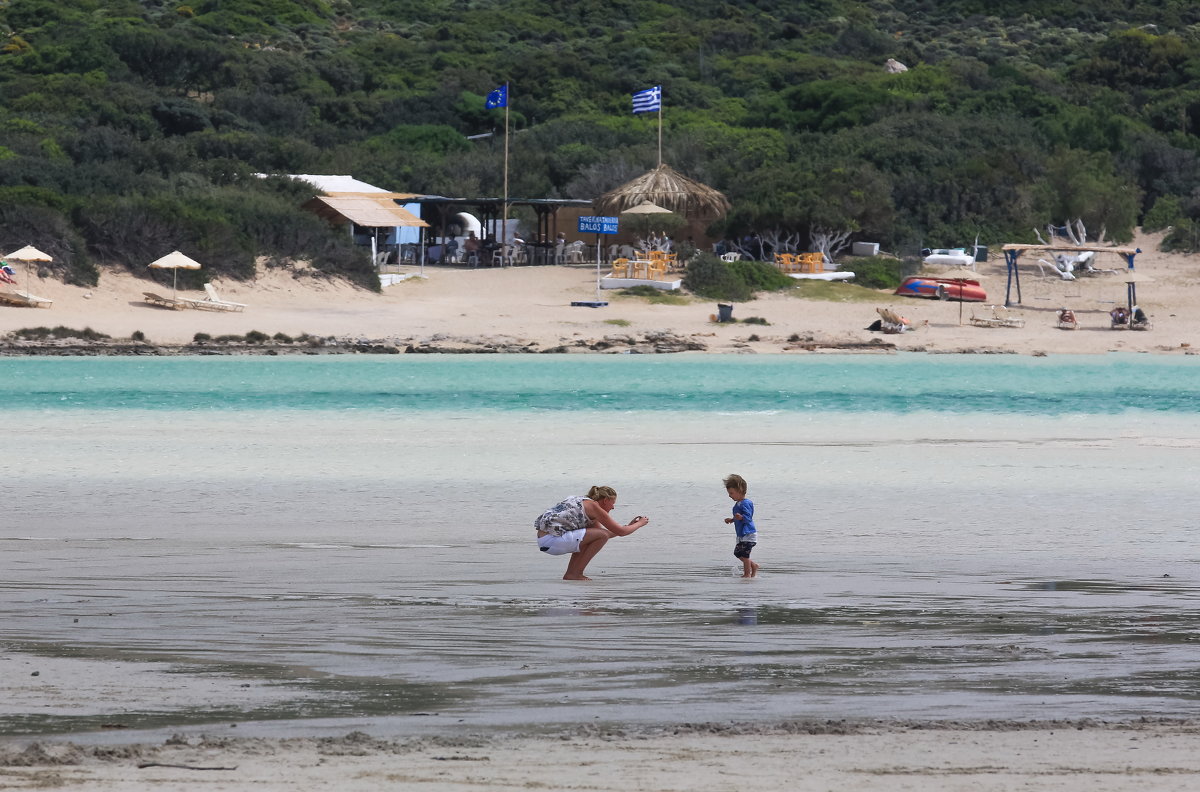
(943, 289)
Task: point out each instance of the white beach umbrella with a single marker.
(27, 254)
(175, 261)
(646, 207)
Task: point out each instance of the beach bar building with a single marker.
(384, 221)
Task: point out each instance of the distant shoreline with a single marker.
(654, 343)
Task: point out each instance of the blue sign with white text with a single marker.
(598, 225)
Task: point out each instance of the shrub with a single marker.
(1166, 211)
(761, 276)
(708, 276)
(256, 337)
(655, 296)
(755, 320)
(201, 338)
(1184, 238)
(282, 338)
(877, 272)
(42, 333)
(137, 335)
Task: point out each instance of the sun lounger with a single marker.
(1000, 318)
(24, 300)
(174, 303)
(214, 301)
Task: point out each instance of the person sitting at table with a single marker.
(490, 246)
(451, 254)
(471, 247)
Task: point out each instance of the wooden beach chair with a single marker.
(174, 303)
(1000, 318)
(24, 300)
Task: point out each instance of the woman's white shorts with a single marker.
(561, 545)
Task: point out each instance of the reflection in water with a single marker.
(747, 616)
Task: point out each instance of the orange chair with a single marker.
(811, 262)
(785, 262)
(620, 268)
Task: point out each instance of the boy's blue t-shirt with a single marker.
(746, 532)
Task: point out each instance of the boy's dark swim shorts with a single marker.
(742, 549)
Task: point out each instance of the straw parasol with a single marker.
(665, 187)
(961, 274)
(175, 261)
(27, 254)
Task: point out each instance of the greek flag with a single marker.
(497, 98)
(648, 101)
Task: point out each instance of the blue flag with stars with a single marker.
(497, 98)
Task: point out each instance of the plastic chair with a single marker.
(620, 268)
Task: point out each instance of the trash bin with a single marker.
(981, 253)
(724, 312)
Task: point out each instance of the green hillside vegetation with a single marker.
(128, 129)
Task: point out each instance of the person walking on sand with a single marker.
(743, 523)
(582, 526)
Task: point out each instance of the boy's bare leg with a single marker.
(753, 569)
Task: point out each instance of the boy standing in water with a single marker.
(743, 523)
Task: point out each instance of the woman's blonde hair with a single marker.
(600, 493)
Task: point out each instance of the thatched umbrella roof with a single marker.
(668, 188)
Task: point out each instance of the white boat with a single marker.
(825, 276)
(949, 257)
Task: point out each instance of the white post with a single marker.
(597, 267)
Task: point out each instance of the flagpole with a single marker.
(504, 222)
(660, 130)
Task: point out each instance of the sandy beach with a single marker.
(818, 755)
(529, 308)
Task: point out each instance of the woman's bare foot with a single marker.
(576, 577)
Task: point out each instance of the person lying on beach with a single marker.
(582, 526)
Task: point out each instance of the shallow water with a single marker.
(940, 537)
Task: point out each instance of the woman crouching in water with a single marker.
(581, 526)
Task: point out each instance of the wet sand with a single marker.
(1087, 756)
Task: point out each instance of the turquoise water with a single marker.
(966, 384)
(940, 537)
